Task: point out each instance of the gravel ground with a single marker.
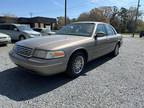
(107, 83)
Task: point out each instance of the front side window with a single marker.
(77, 29)
(12, 27)
(101, 28)
(24, 28)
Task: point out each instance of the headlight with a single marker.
(14, 48)
(48, 54)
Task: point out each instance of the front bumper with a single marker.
(5, 41)
(40, 66)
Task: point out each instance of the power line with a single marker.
(31, 14)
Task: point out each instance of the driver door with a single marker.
(100, 47)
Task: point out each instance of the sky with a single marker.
(55, 8)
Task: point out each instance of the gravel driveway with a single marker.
(107, 83)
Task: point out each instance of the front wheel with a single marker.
(21, 38)
(76, 65)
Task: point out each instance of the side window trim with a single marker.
(115, 32)
(104, 26)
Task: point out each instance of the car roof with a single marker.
(91, 22)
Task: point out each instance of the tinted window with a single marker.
(37, 29)
(5, 27)
(110, 30)
(101, 28)
(12, 27)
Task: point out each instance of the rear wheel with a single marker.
(116, 50)
(76, 64)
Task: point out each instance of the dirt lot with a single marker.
(107, 83)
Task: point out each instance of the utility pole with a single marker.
(65, 12)
(135, 22)
(31, 14)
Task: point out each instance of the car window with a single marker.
(12, 27)
(37, 29)
(101, 28)
(110, 30)
(4, 27)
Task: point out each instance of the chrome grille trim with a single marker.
(23, 51)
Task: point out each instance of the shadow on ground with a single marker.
(18, 85)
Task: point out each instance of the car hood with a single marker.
(51, 42)
(4, 35)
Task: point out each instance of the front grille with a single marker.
(23, 51)
(2, 37)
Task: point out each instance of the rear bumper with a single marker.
(42, 67)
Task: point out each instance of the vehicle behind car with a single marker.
(4, 39)
(18, 31)
(44, 31)
(69, 50)
(141, 34)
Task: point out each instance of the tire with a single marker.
(76, 65)
(116, 50)
(21, 38)
(141, 34)
(3, 44)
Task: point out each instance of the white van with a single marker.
(18, 32)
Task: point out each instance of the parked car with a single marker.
(69, 50)
(141, 34)
(44, 31)
(18, 31)
(4, 39)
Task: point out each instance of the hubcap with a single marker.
(78, 64)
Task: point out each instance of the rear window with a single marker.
(110, 30)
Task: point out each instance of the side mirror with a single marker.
(100, 34)
(15, 29)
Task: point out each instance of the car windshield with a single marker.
(79, 29)
(24, 28)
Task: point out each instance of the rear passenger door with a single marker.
(111, 37)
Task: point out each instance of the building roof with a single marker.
(28, 20)
(43, 19)
(5, 19)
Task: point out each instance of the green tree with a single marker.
(123, 18)
(84, 17)
(61, 21)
